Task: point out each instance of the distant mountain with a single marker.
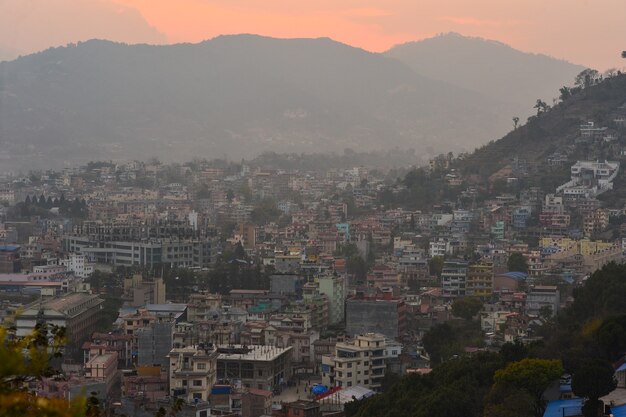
(490, 67)
(234, 95)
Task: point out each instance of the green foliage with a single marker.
(509, 401)
(467, 307)
(265, 212)
(455, 388)
(447, 340)
(531, 375)
(517, 262)
(435, 265)
(593, 379)
(27, 358)
(603, 295)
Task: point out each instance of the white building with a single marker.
(590, 178)
(78, 264)
(361, 362)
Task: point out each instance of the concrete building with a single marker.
(361, 362)
(381, 313)
(78, 264)
(334, 287)
(77, 312)
(260, 367)
(178, 253)
(154, 343)
(542, 296)
(454, 279)
(10, 259)
(192, 372)
(479, 280)
(287, 284)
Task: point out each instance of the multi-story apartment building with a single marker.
(260, 367)
(333, 287)
(360, 362)
(454, 279)
(541, 297)
(479, 280)
(381, 313)
(78, 264)
(192, 372)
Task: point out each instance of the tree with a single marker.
(435, 265)
(586, 78)
(466, 308)
(517, 263)
(441, 343)
(531, 375)
(507, 401)
(593, 379)
(565, 93)
(28, 358)
(541, 106)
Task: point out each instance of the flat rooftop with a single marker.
(251, 353)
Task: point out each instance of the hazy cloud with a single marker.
(28, 26)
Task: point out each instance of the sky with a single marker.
(586, 32)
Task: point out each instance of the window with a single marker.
(202, 366)
(366, 363)
(349, 383)
(350, 365)
(260, 372)
(365, 382)
(197, 382)
(349, 374)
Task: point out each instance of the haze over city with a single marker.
(279, 208)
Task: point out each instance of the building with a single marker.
(361, 362)
(479, 280)
(192, 372)
(589, 179)
(454, 279)
(333, 287)
(10, 259)
(154, 343)
(258, 366)
(300, 408)
(381, 313)
(256, 402)
(541, 297)
(77, 264)
(77, 312)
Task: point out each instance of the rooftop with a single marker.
(251, 353)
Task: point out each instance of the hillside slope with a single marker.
(558, 131)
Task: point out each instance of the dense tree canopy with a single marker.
(593, 379)
(517, 262)
(467, 307)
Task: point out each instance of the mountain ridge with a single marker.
(235, 95)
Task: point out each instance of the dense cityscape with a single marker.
(214, 287)
(312, 209)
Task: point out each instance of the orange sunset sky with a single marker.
(587, 32)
